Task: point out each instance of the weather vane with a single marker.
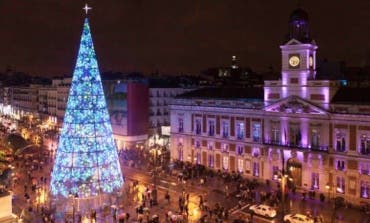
(86, 8)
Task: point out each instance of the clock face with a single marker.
(294, 61)
(311, 61)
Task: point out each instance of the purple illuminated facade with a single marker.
(318, 131)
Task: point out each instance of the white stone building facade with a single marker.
(313, 129)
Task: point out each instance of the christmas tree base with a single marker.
(73, 206)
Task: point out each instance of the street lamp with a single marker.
(328, 188)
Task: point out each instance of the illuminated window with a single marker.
(256, 169)
(364, 168)
(275, 133)
(211, 128)
(340, 164)
(225, 162)
(256, 132)
(340, 185)
(240, 150)
(197, 158)
(315, 181)
(340, 141)
(315, 138)
(211, 160)
(210, 145)
(225, 129)
(365, 145)
(197, 144)
(365, 189)
(256, 152)
(240, 130)
(180, 149)
(294, 135)
(275, 172)
(198, 126)
(181, 124)
(240, 165)
(225, 148)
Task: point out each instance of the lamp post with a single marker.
(73, 205)
(283, 178)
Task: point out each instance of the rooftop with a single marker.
(233, 93)
(348, 95)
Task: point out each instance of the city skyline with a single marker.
(175, 37)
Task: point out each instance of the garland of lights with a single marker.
(86, 161)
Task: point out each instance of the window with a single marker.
(181, 125)
(240, 165)
(315, 138)
(225, 148)
(197, 158)
(340, 141)
(225, 162)
(340, 165)
(197, 144)
(210, 145)
(198, 126)
(240, 130)
(256, 152)
(180, 149)
(315, 181)
(365, 189)
(211, 130)
(365, 145)
(340, 185)
(225, 129)
(256, 169)
(211, 160)
(294, 135)
(364, 168)
(275, 172)
(275, 135)
(239, 150)
(256, 132)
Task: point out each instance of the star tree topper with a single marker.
(86, 8)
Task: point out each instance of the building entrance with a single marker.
(295, 172)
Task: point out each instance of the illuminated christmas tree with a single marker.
(86, 161)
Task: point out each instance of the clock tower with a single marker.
(298, 54)
(298, 68)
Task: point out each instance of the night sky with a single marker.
(41, 37)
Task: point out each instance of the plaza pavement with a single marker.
(213, 190)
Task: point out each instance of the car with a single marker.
(297, 218)
(263, 210)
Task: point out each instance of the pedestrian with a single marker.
(127, 216)
(226, 191)
(167, 197)
(114, 215)
(186, 210)
(210, 211)
(201, 202)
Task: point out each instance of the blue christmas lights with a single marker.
(86, 160)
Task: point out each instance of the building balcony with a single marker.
(296, 146)
(364, 151)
